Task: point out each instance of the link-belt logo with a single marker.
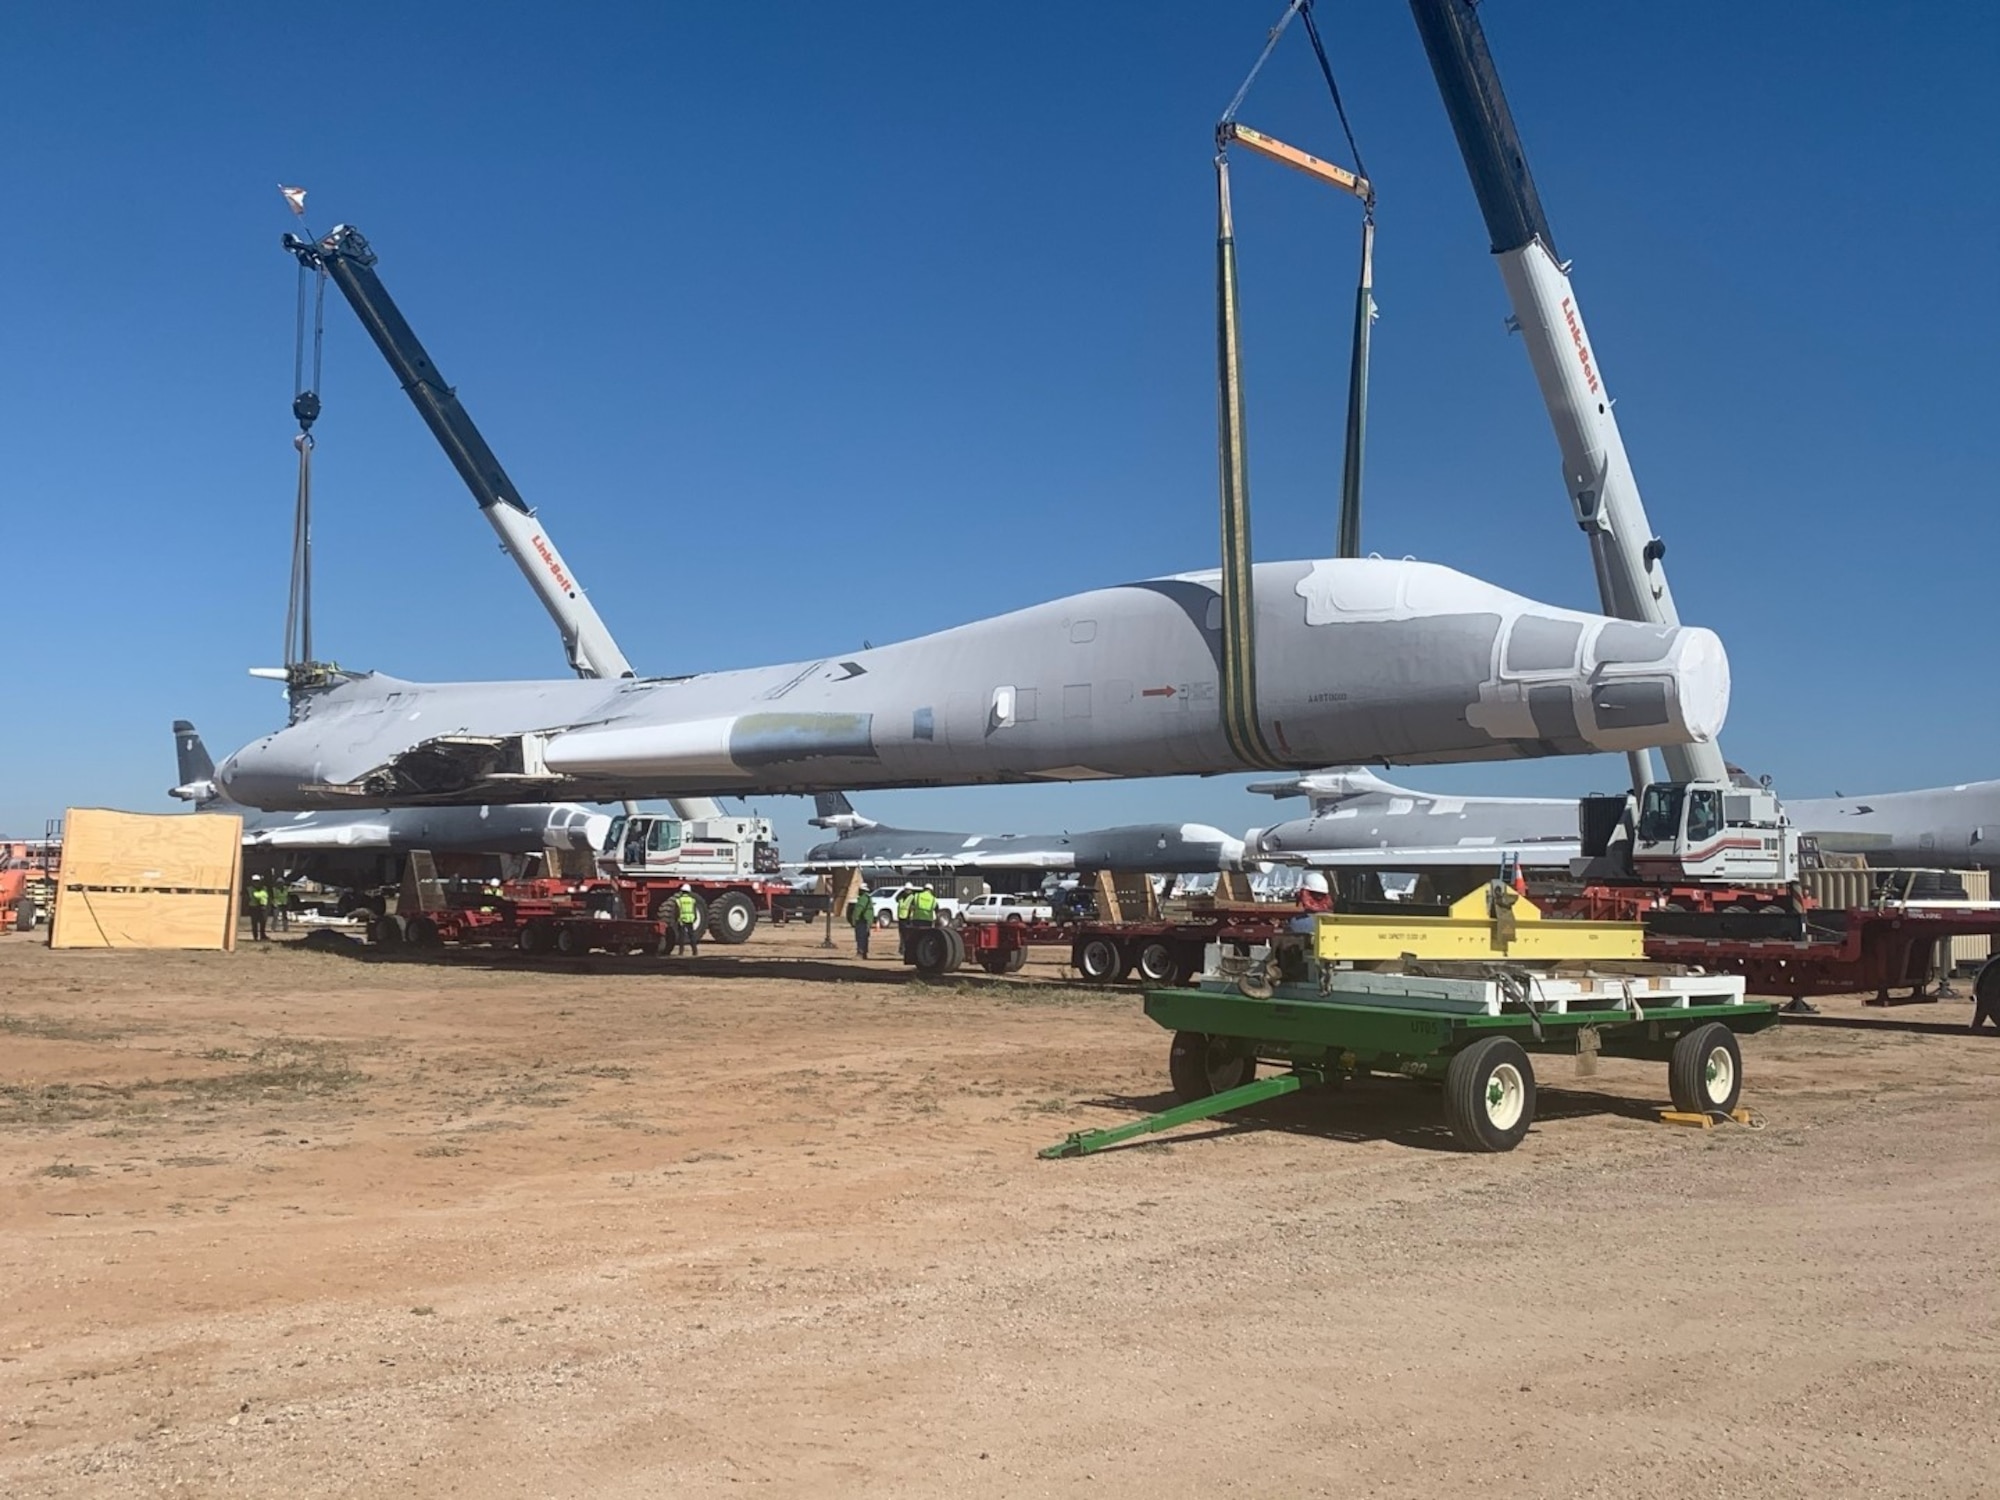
(1582, 349)
(556, 568)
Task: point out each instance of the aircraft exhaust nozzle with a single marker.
(1229, 854)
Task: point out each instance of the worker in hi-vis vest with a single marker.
(260, 906)
(863, 918)
(903, 899)
(923, 907)
(687, 921)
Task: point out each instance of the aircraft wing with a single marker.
(962, 860)
(320, 836)
(1534, 854)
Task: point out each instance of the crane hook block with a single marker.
(305, 406)
(1653, 552)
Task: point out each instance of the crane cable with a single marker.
(1242, 726)
(306, 407)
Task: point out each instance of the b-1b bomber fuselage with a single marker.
(1362, 660)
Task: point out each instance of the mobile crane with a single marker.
(730, 862)
(1698, 827)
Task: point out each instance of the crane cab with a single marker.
(1713, 832)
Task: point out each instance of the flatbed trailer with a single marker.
(1159, 951)
(1482, 1057)
(1839, 953)
(530, 925)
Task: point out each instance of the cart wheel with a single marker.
(422, 932)
(1097, 960)
(732, 917)
(532, 939)
(572, 941)
(1201, 1065)
(1017, 960)
(993, 963)
(386, 931)
(1489, 1095)
(1705, 1073)
(1156, 963)
(955, 941)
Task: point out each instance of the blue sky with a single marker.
(806, 324)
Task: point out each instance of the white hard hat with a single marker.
(1314, 881)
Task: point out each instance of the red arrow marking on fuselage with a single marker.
(1165, 692)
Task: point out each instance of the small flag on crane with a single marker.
(296, 197)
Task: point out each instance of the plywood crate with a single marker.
(148, 880)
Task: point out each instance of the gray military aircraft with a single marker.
(361, 849)
(1360, 820)
(1943, 827)
(1358, 660)
(1150, 848)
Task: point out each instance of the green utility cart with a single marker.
(1475, 1032)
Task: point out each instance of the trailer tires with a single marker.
(386, 931)
(936, 950)
(1202, 1066)
(1705, 1073)
(1098, 960)
(1156, 963)
(422, 932)
(732, 917)
(1489, 1095)
(572, 941)
(532, 939)
(663, 911)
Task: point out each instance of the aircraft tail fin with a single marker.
(838, 814)
(196, 766)
(195, 763)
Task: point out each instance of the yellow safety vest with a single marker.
(684, 909)
(923, 906)
(260, 895)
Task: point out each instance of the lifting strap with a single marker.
(1242, 725)
(306, 407)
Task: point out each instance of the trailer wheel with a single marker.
(571, 940)
(1201, 1065)
(386, 931)
(1489, 1095)
(732, 917)
(1017, 960)
(532, 939)
(663, 911)
(1157, 964)
(1098, 960)
(422, 932)
(1188, 963)
(1705, 1073)
(935, 951)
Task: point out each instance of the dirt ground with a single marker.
(300, 1222)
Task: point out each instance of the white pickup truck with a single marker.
(998, 908)
(949, 908)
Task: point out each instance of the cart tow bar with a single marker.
(1083, 1142)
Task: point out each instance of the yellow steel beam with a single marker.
(1302, 161)
(1476, 931)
